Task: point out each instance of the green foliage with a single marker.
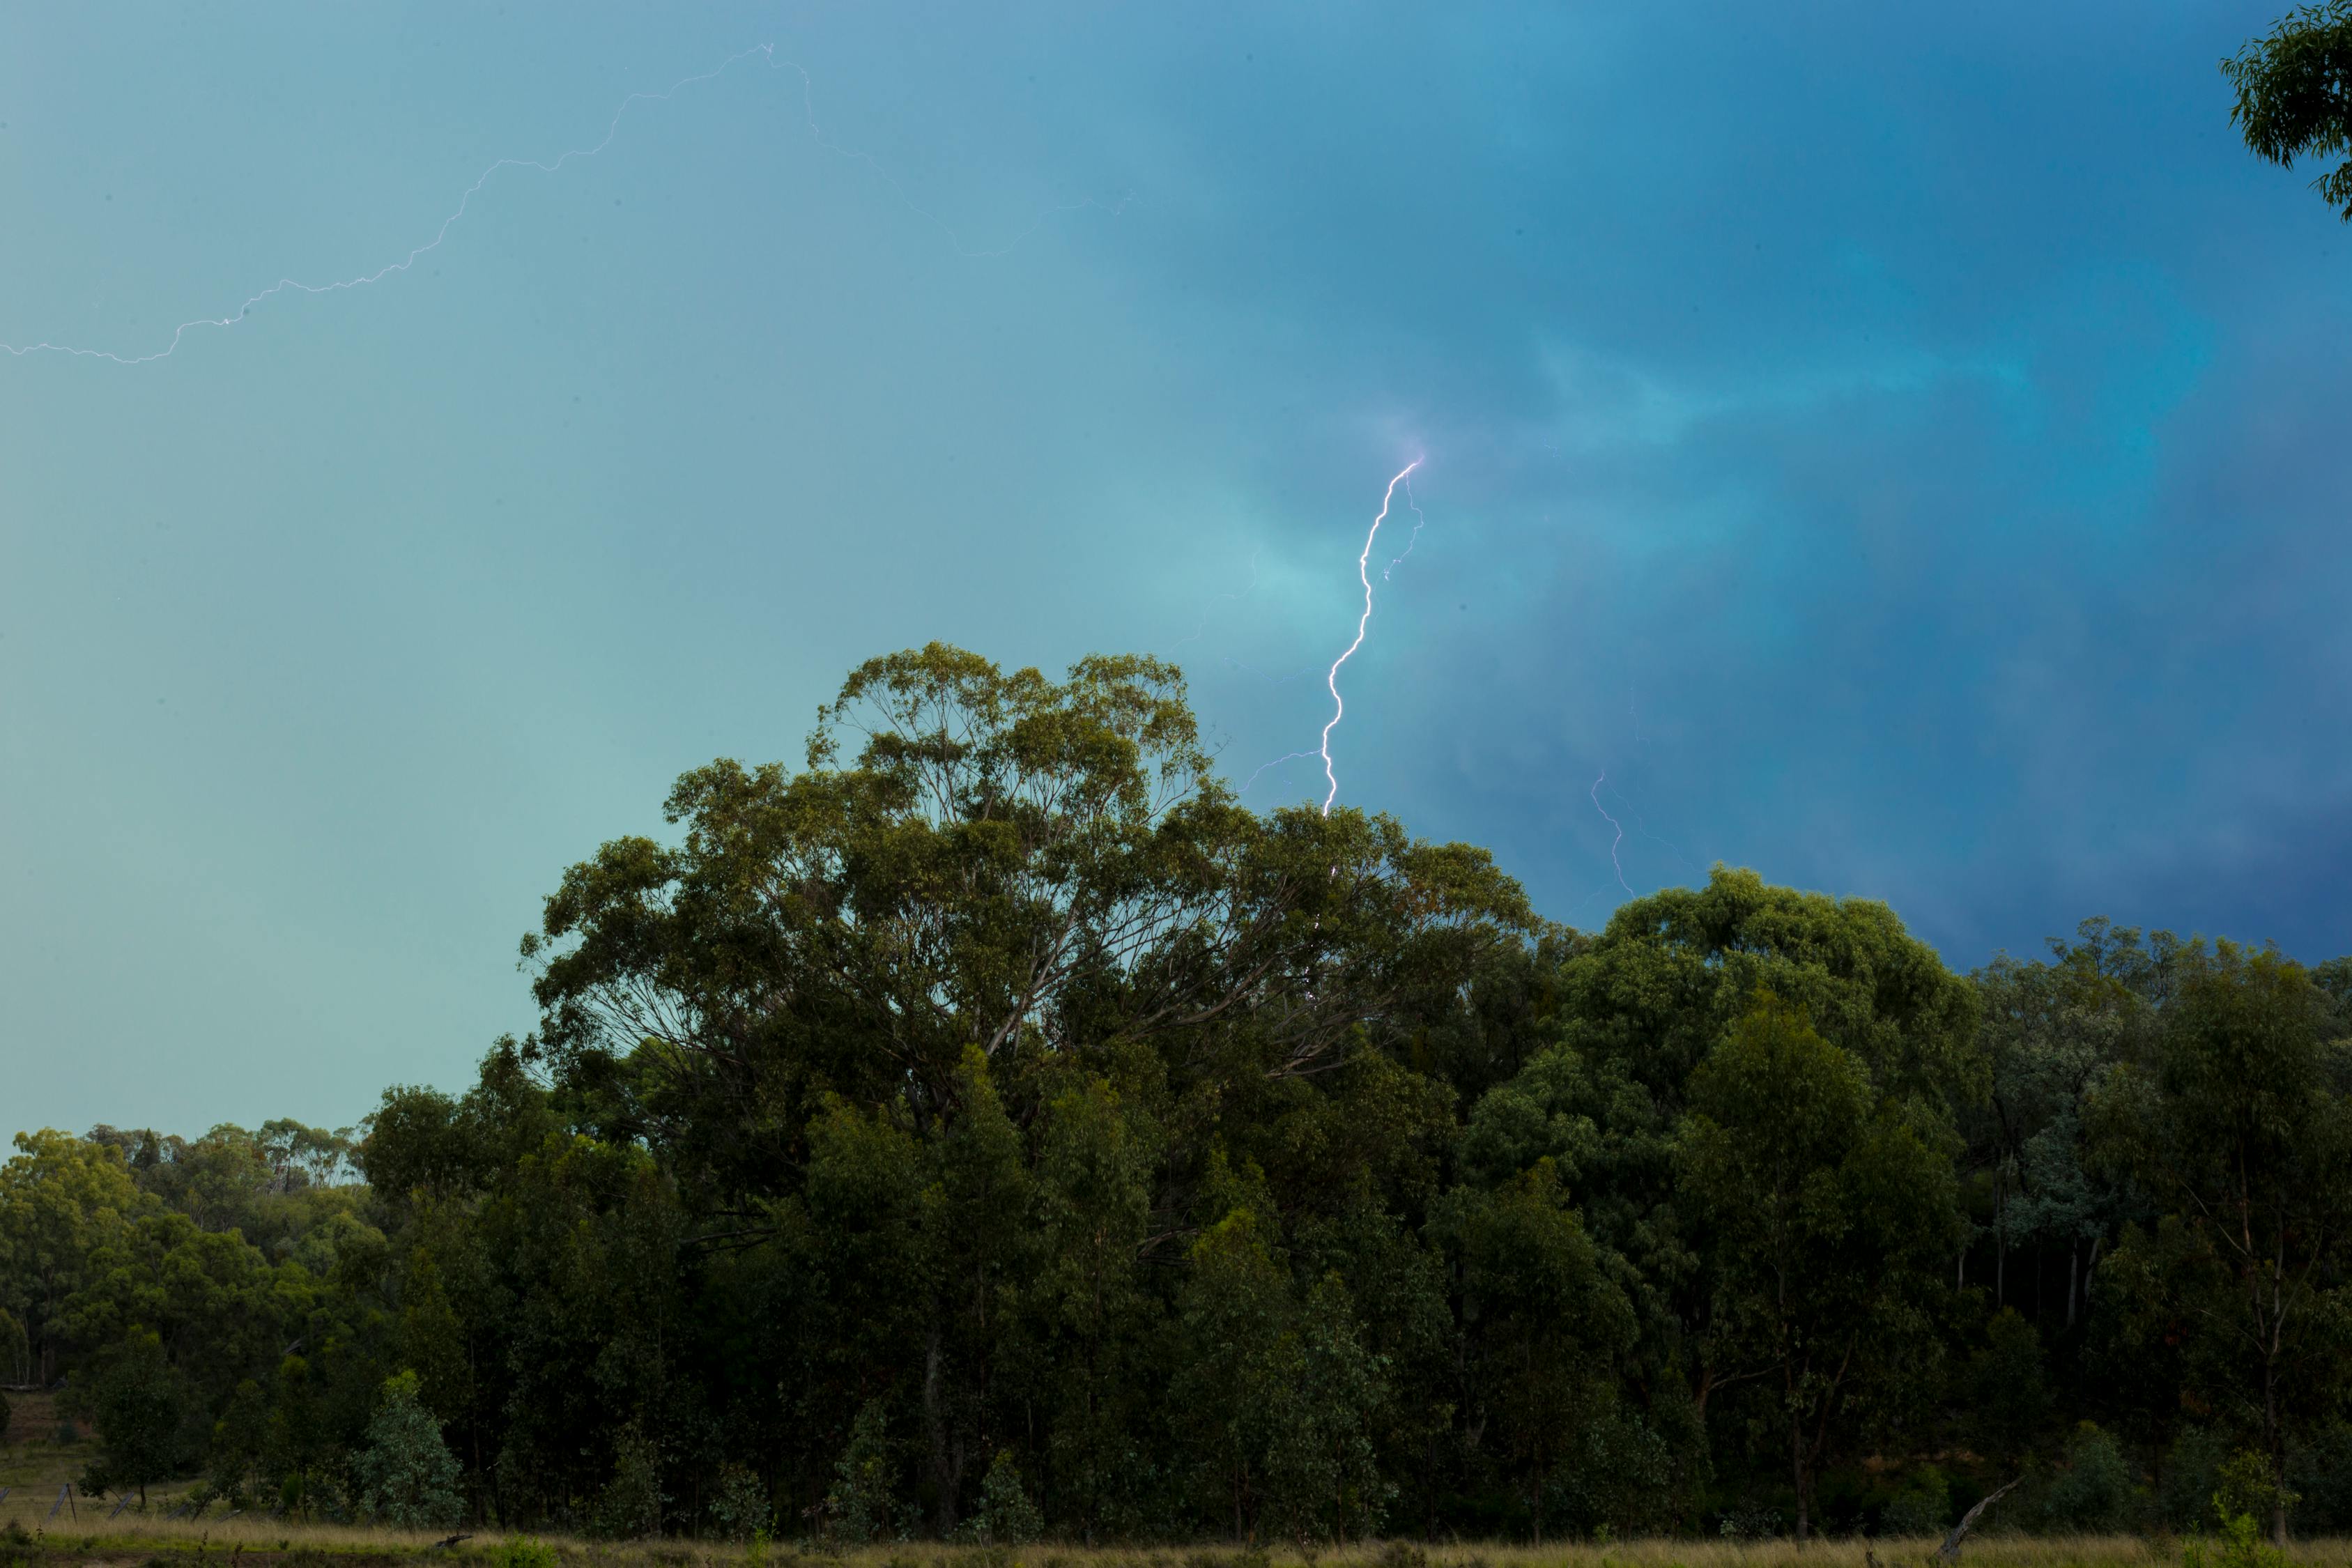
(523, 1552)
(1550, 1317)
(141, 1406)
(407, 1477)
(1835, 1205)
(2192, 1469)
(1005, 1515)
(2248, 1485)
(1923, 1506)
(864, 1503)
(2009, 1403)
(2295, 94)
(739, 1510)
(2095, 1489)
(2320, 1472)
(2240, 1544)
(2241, 1125)
(1323, 1477)
(630, 1505)
(16, 1352)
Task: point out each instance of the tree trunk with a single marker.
(2000, 1243)
(2073, 1259)
(1803, 1481)
(2277, 1436)
(947, 1459)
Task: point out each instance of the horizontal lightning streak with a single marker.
(765, 53)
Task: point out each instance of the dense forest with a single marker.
(993, 1129)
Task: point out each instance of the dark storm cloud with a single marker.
(1924, 416)
(1900, 449)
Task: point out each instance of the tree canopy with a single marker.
(2295, 94)
(990, 1129)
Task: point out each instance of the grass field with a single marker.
(132, 1543)
(263, 1544)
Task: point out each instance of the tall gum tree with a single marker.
(1831, 1209)
(992, 879)
(2242, 1129)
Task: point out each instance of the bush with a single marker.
(631, 1504)
(522, 1552)
(407, 1477)
(2321, 1473)
(1749, 1521)
(2191, 1471)
(740, 1509)
(1923, 1506)
(2093, 1493)
(2241, 1546)
(863, 1504)
(2247, 1485)
(1005, 1516)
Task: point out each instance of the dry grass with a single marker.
(131, 1542)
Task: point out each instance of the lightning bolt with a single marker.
(1614, 843)
(1419, 523)
(1363, 573)
(764, 53)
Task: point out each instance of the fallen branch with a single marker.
(1950, 1550)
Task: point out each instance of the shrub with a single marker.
(1923, 1506)
(2191, 1471)
(2240, 1546)
(2093, 1493)
(631, 1504)
(863, 1504)
(1005, 1516)
(2321, 1473)
(407, 1477)
(740, 1509)
(522, 1552)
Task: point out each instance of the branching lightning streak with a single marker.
(1286, 756)
(1419, 523)
(1233, 597)
(1364, 573)
(766, 53)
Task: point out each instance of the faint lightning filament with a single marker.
(1620, 838)
(764, 53)
(1363, 573)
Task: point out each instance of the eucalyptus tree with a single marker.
(2051, 1032)
(2295, 94)
(1640, 1009)
(2241, 1127)
(985, 896)
(1830, 1208)
(1007, 863)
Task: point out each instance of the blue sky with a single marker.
(1902, 449)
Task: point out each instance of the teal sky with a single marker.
(1901, 448)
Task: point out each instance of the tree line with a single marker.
(990, 1127)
